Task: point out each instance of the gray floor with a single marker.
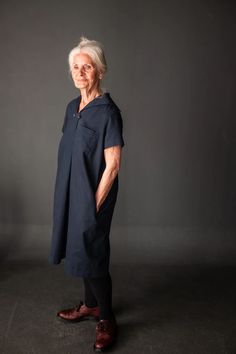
(159, 309)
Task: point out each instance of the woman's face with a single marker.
(84, 73)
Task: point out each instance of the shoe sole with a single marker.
(80, 319)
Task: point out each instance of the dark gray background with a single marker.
(172, 73)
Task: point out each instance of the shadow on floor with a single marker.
(159, 309)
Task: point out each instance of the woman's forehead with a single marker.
(82, 58)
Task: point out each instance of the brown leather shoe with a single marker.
(106, 332)
(79, 312)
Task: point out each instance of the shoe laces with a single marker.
(104, 326)
(77, 307)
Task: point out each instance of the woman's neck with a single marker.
(87, 96)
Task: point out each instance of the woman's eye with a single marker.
(87, 67)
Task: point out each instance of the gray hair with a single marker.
(94, 49)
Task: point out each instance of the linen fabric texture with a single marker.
(80, 234)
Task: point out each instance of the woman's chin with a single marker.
(80, 85)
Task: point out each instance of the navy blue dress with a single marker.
(80, 234)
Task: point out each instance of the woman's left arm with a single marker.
(113, 160)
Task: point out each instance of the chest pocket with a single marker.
(86, 138)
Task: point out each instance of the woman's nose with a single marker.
(79, 73)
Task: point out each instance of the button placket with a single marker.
(78, 117)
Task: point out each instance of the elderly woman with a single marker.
(86, 187)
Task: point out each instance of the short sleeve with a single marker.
(114, 130)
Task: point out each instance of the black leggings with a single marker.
(98, 292)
